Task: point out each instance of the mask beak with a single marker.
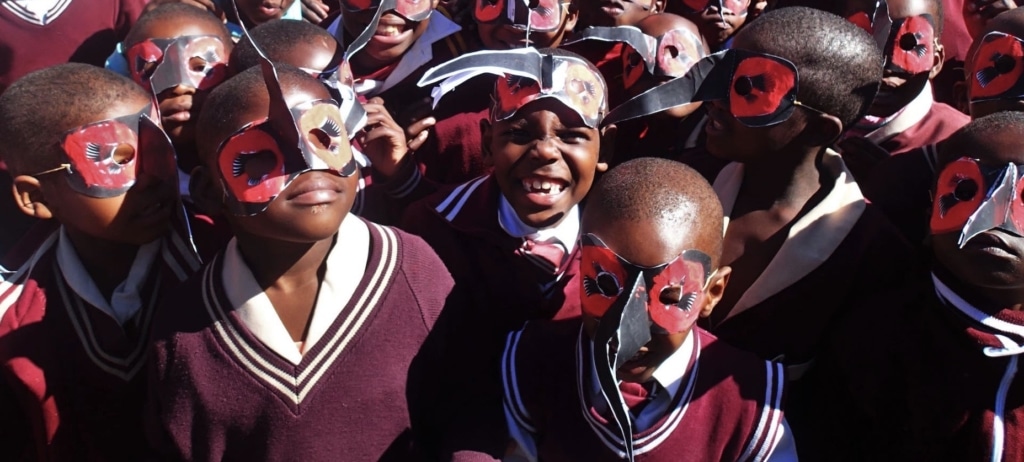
(994, 212)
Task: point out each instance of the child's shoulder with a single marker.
(452, 205)
(22, 290)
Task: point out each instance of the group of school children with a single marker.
(544, 230)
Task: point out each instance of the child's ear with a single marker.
(28, 196)
(204, 192)
(826, 128)
(607, 149)
(716, 288)
(485, 141)
(572, 14)
(659, 6)
(939, 57)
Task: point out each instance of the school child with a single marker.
(904, 114)
(635, 378)
(299, 339)
(617, 12)
(901, 186)
(945, 383)
(451, 154)
(86, 149)
(510, 237)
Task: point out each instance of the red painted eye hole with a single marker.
(908, 41)
(743, 86)
(604, 283)
(254, 165)
(1005, 64)
(965, 190)
(635, 59)
(123, 154)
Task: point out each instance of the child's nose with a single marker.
(547, 148)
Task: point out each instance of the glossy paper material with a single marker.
(998, 68)
(105, 158)
(973, 198)
(193, 61)
(526, 75)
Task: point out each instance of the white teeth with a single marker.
(541, 186)
(388, 30)
(545, 185)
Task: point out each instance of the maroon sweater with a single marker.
(76, 31)
(218, 393)
(453, 152)
(940, 122)
(74, 379)
(727, 409)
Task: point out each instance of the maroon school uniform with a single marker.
(453, 151)
(839, 250)
(922, 122)
(941, 386)
(35, 34)
(221, 391)
(900, 187)
(655, 136)
(727, 408)
(75, 371)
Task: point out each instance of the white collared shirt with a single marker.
(126, 299)
(346, 263)
(566, 231)
(909, 116)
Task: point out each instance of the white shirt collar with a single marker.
(126, 299)
(1009, 334)
(913, 113)
(420, 53)
(346, 263)
(566, 231)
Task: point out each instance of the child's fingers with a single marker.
(417, 141)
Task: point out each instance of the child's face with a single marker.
(993, 259)
(646, 244)
(499, 36)
(899, 87)
(261, 11)
(180, 106)
(312, 206)
(717, 26)
(544, 160)
(393, 37)
(609, 13)
(135, 217)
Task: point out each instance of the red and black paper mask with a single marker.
(104, 159)
(413, 10)
(760, 89)
(911, 45)
(524, 76)
(971, 198)
(534, 15)
(605, 278)
(638, 54)
(630, 301)
(998, 66)
(194, 61)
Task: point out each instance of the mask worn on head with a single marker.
(973, 198)
(878, 24)
(760, 89)
(998, 67)
(525, 76)
(194, 61)
(637, 56)
(535, 15)
(616, 292)
(911, 45)
(103, 159)
(412, 10)
(262, 158)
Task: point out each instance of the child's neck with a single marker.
(781, 181)
(108, 263)
(986, 299)
(290, 275)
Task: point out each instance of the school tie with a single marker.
(636, 395)
(545, 255)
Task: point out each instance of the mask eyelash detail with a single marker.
(331, 128)
(238, 168)
(92, 152)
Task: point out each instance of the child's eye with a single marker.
(517, 135)
(574, 137)
(197, 64)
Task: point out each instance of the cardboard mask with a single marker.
(878, 23)
(524, 76)
(628, 301)
(911, 45)
(998, 67)
(973, 198)
(263, 157)
(194, 61)
(413, 10)
(533, 15)
(760, 89)
(103, 159)
(339, 82)
(637, 57)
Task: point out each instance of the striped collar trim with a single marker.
(293, 383)
(28, 10)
